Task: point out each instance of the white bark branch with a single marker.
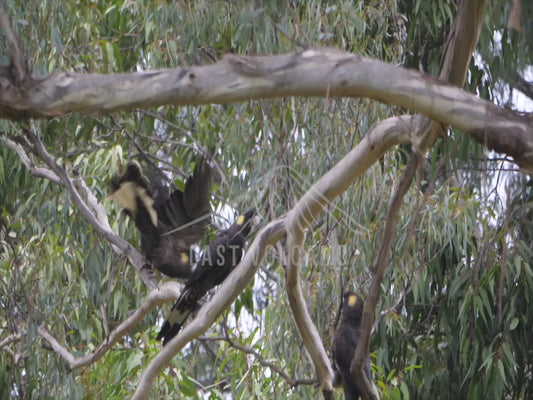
(462, 42)
(29, 163)
(97, 219)
(323, 72)
(381, 138)
(167, 292)
(228, 291)
(384, 135)
(13, 338)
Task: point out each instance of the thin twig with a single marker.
(197, 145)
(259, 357)
(503, 267)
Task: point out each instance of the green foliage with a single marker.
(456, 299)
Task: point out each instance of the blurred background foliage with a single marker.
(457, 299)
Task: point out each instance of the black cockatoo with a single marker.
(346, 339)
(215, 264)
(169, 223)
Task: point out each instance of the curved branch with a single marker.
(229, 290)
(29, 163)
(99, 221)
(322, 72)
(467, 28)
(167, 292)
(378, 269)
(300, 311)
(462, 41)
(381, 137)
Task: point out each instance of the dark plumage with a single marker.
(346, 339)
(216, 263)
(169, 223)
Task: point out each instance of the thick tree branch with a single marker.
(228, 291)
(381, 138)
(313, 73)
(379, 270)
(167, 292)
(467, 28)
(462, 41)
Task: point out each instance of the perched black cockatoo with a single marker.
(169, 223)
(215, 264)
(346, 339)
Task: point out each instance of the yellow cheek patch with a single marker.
(184, 258)
(352, 299)
(241, 220)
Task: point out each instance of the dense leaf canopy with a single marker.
(456, 301)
